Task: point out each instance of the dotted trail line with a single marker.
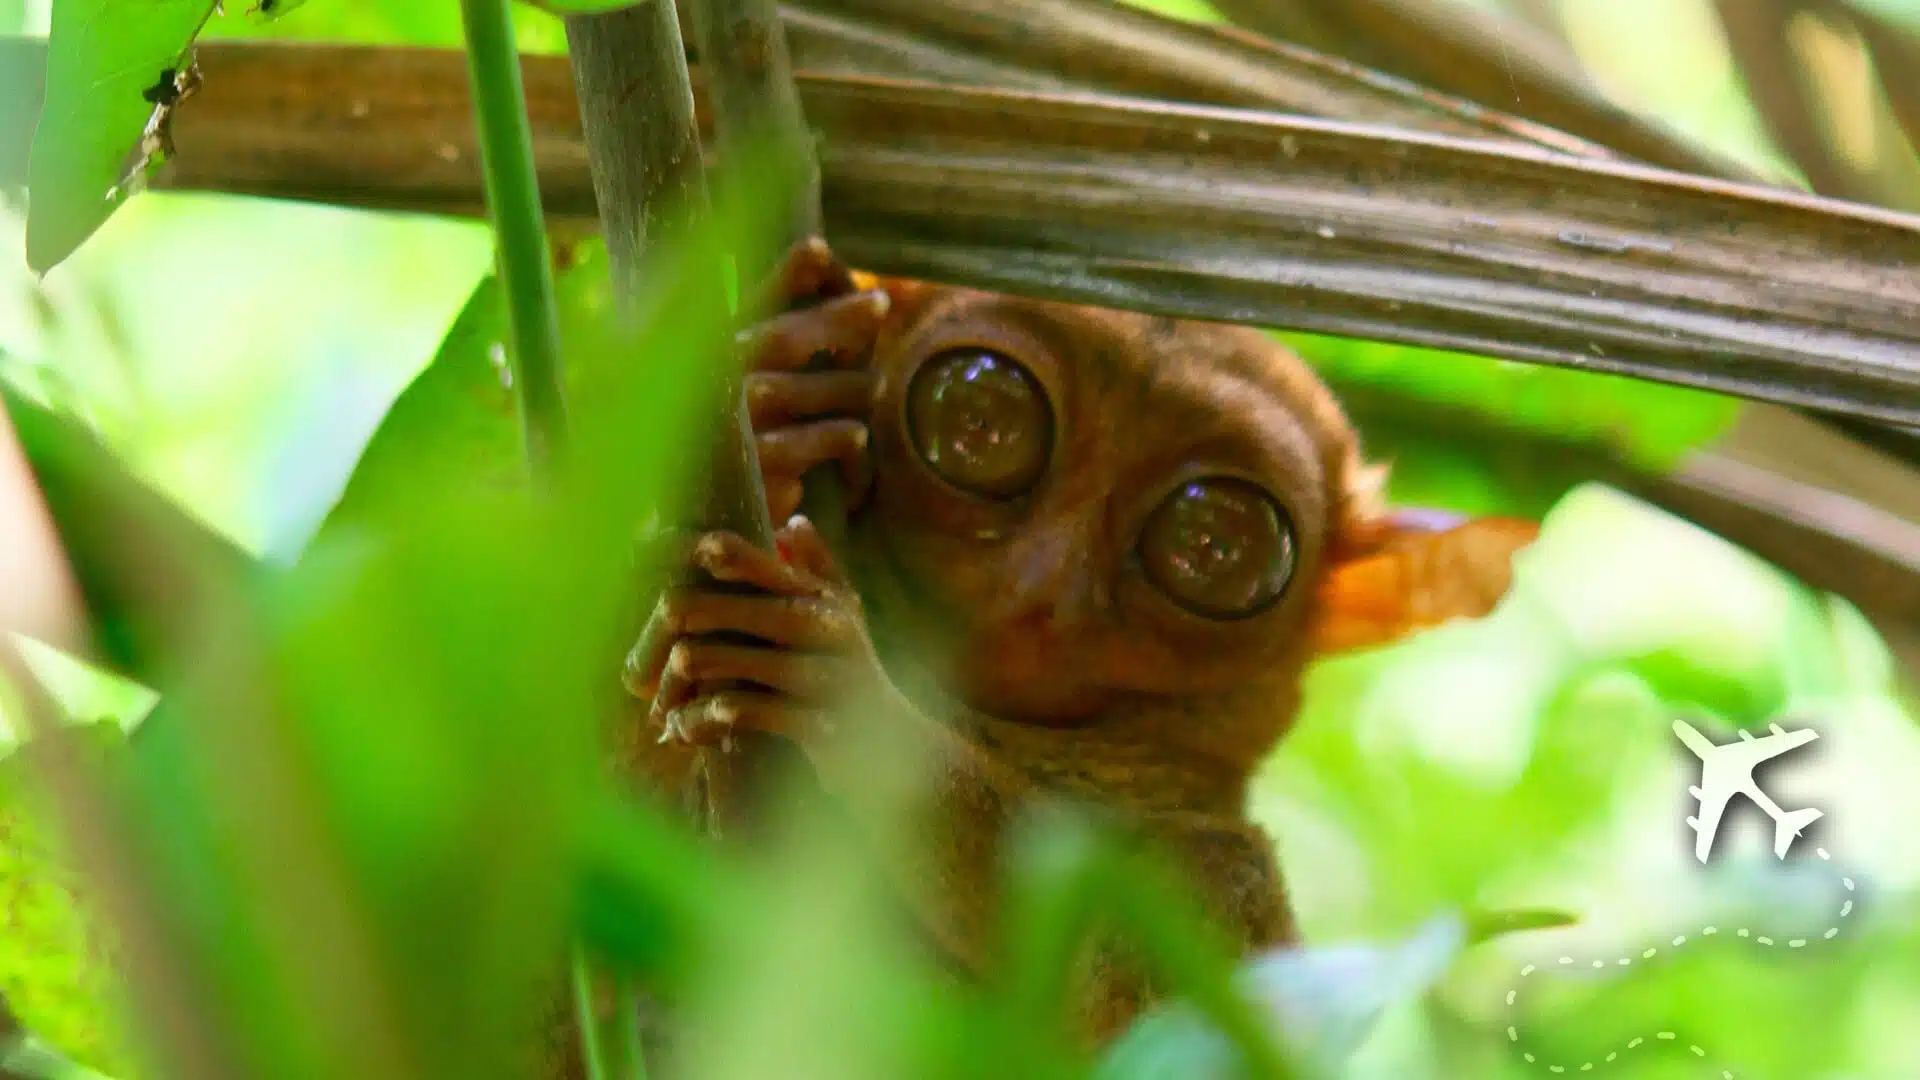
(1513, 1031)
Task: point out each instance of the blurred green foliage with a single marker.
(1522, 761)
(53, 968)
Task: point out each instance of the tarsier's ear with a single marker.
(1393, 573)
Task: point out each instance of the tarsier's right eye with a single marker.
(981, 421)
(1220, 547)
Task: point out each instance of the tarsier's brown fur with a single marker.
(1121, 701)
(1019, 634)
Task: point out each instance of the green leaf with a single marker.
(108, 64)
(1654, 423)
(1071, 875)
(51, 973)
(458, 411)
(1484, 926)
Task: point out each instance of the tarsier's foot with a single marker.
(811, 649)
(808, 386)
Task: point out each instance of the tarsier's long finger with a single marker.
(838, 332)
(713, 718)
(807, 677)
(788, 452)
(640, 675)
(730, 558)
(782, 397)
(809, 623)
(674, 690)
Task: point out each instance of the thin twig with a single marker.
(743, 51)
(643, 150)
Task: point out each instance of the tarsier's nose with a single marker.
(1052, 578)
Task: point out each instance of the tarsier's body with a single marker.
(1094, 548)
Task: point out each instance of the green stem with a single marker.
(519, 227)
(633, 1055)
(587, 1018)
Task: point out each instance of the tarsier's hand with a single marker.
(808, 387)
(811, 654)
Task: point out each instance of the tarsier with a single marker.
(1110, 540)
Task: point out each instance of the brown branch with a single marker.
(1425, 240)
(755, 107)
(756, 110)
(636, 123)
(1585, 264)
(1499, 62)
(1896, 57)
(1834, 514)
(1775, 78)
(1099, 46)
(644, 156)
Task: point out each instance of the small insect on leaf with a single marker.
(268, 10)
(113, 72)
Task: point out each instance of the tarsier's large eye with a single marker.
(981, 421)
(1220, 547)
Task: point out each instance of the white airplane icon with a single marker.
(1726, 770)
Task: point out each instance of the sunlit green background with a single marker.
(1522, 761)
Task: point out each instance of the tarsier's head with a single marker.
(1076, 504)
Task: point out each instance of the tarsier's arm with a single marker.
(1096, 686)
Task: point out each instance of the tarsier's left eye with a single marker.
(1220, 547)
(981, 421)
